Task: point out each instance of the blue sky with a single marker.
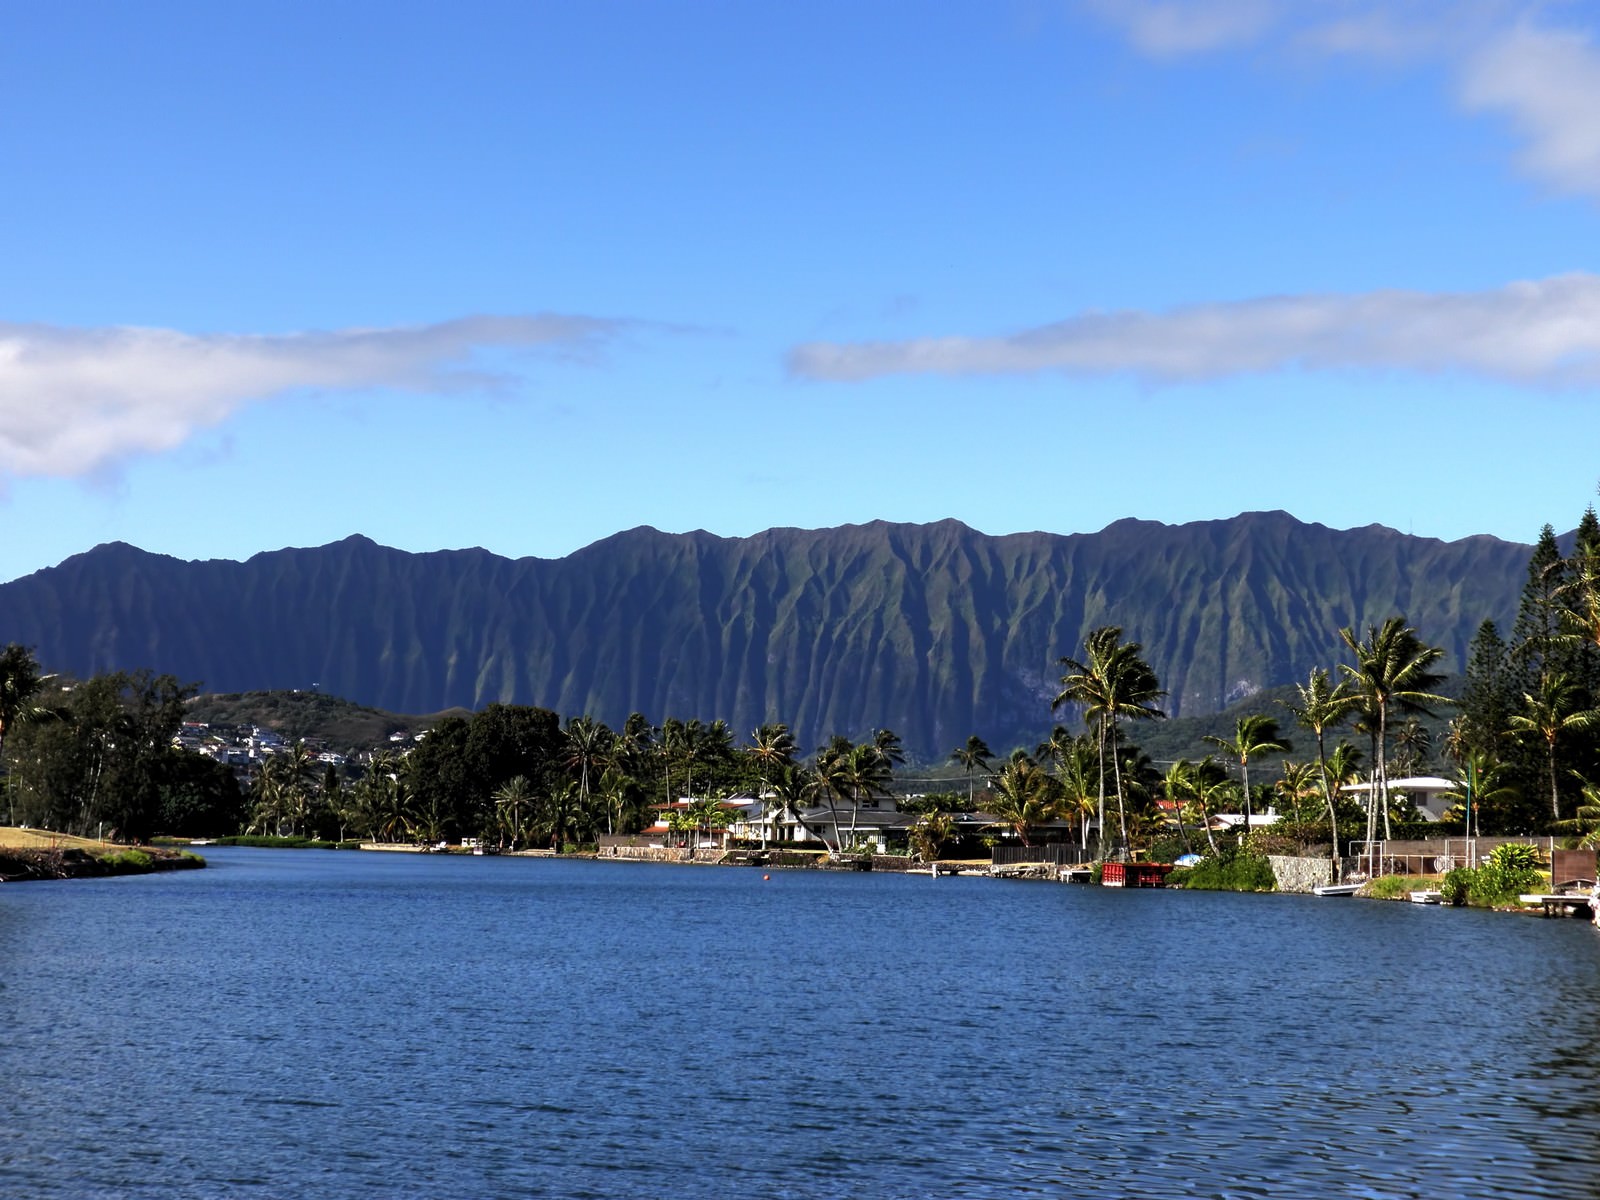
(522, 275)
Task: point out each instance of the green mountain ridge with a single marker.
(936, 631)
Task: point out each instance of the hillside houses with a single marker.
(245, 747)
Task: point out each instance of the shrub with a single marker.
(1390, 887)
(1456, 886)
(129, 860)
(1231, 870)
(1513, 868)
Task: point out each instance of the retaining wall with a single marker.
(1300, 874)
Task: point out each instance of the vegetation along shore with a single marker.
(27, 854)
(1377, 764)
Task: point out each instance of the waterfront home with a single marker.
(1431, 796)
(667, 830)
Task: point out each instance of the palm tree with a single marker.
(1078, 774)
(773, 748)
(1295, 786)
(266, 815)
(620, 795)
(1344, 765)
(974, 756)
(1025, 796)
(789, 786)
(1322, 705)
(930, 833)
(382, 798)
(1254, 734)
(1584, 824)
(669, 745)
(1412, 745)
(1482, 784)
(1178, 786)
(1393, 667)
(511, 799)
(826, 784)
(887, 743)
(865, 772)
(1112, 682)
(706, 815)
(296, 768)
(588, 744)
(559, 813)
(633, 745)
(1549, 714)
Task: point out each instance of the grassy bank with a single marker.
(31, 854)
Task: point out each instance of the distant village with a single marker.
(245, 748)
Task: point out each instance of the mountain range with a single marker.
(936, 631)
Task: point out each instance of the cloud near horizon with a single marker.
(74, 402)
(1543, 333)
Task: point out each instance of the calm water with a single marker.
(328, 1025)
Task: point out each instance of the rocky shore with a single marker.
(72, 862)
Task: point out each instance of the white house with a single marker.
(1428, 794)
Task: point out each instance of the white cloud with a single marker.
(76, 401)
(1548, 83)
(1168, 28)
(1543, 333)
(1505, 56)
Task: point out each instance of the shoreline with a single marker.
(27, 865)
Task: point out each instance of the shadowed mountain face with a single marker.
(936, 631)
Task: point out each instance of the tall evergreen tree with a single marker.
(1488, 695)
(1537, 642)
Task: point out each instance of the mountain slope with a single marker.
(936, 631)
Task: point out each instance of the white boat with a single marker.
(1426, 897)
(1336, 889)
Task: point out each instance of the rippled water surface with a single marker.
(327, 1025)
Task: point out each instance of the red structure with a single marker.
(1134, 875)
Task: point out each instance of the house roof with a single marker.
(1412, 783)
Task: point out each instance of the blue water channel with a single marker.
(315, 1024)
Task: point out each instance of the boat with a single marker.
(1426, 896)
(1336, 889)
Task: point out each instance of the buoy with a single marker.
(764, 878)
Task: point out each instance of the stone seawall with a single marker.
(1300, 874)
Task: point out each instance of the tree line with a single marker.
(1522, 744)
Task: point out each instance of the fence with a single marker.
(1435, 856)
(1061, 854)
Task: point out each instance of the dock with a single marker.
(1566, 904)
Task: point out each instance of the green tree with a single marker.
(974, 756)
(1255, 734)
(772, 749)
(1393, 669)
(588, 746)
(1320, 705)
(1112, 683)
(1078, 773)
(1488, 695)
(930, 833)
(513, 803)
(21, 685)
(1548, 714)
(1583, 827)
(1178, 785)
(1487, 794)
(1025, 797)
